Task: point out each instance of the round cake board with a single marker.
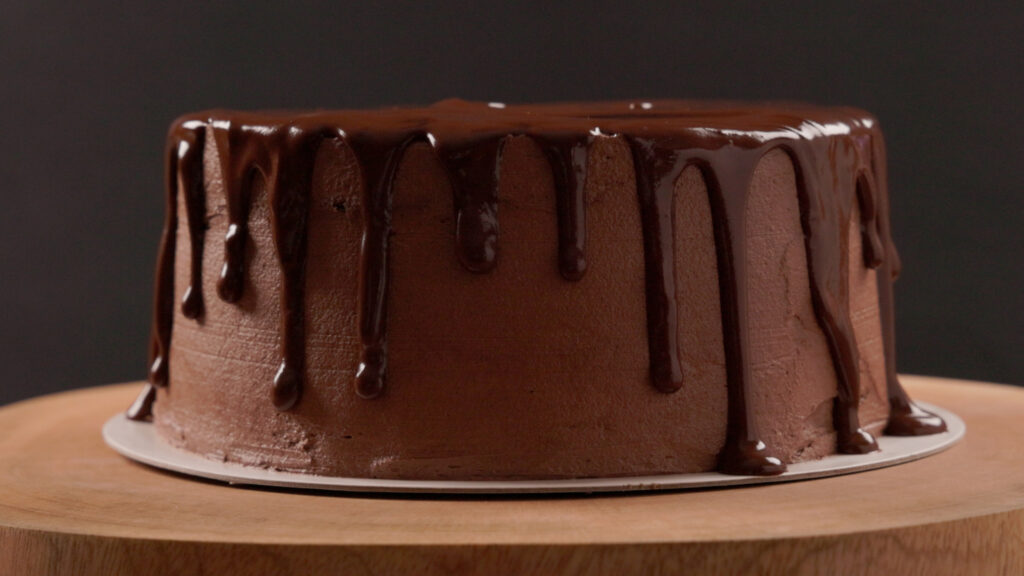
(139, 441)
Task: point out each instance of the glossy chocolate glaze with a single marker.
(837, 154)
(567, 154)
(190, 175)
(242, 162)
(163, 305)
(379, 155)
(294, 151)
(472, 164)
(905, 417)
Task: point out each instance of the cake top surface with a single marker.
(743, 124)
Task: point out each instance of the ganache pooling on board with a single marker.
(837, 155)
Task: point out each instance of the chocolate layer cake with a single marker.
(481, 291)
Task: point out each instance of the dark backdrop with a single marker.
(87, 90)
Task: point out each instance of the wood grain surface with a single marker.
(69, 505)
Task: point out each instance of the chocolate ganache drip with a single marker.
(838, 157)
(472, 164)
(379, 156)
(190, 173)
(656, 171)
(243, 159)
(826, 181)
(905, 417)
(182, 136)
(290, 188)
(728, 174)
(659, 159)
(567, 154)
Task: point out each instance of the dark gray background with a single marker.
(87, 90)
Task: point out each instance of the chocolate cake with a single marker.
(482, 291)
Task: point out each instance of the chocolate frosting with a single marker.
(837, 153)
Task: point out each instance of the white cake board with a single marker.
(138, 441)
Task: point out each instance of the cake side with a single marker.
(524, 371)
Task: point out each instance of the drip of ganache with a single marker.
(567, 154)
(727, 173)
(656, 171)
(472, 165)
(163, 298)
(190, 172)
(905, 417)
(873, 250)
(834, 170)
(243, 158)
(291, 179)
(379, 157)
(142, 408)
(826, 183)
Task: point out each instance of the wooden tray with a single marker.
(70, 505)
